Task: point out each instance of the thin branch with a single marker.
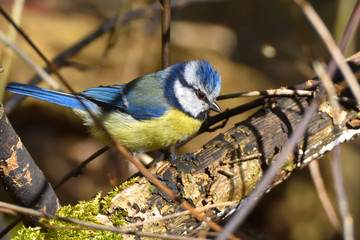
(7, 55)
(330, 90)
(29, 41)
(232, 112)
(323, 195)
(88, 225)
(79, 169)
(9, 227)
(165, 32)
(269, 92)
(335, 52)
(350, 29)
(43, 74)
(343, 204)
(182, 213)
(53, 69)
(347, 219)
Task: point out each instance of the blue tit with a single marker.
(149, 113)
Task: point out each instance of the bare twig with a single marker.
(335, 52)
(28, 40)
(269, 92)
(88, 225)
(9, 227)
(77, 170)
(343, 204)
(165, 32)
(323, 195)
(6, 60)
(44, 75)
(53, 69)
(350, 29)
(179, 214)
(232, 112)
(347, 219)
(330, 90)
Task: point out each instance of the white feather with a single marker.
(191, 77)
(188, 99)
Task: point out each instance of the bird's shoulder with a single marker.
(143, 98)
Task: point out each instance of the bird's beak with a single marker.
(215, 107)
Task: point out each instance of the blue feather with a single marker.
(111, 95)
(63, 99)
(135, 98)
(107, 97)
(143, 113)
(210, 76)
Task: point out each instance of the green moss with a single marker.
(151, 187)
(117, 218)
(85, 211)
(106, 200)
(29, 234)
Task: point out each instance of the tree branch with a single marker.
(20, 176)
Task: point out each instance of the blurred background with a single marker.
(255, 45)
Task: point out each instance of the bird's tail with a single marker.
(63, 99)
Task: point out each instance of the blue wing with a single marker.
(63, 99)
(110, 95)
(143, 98)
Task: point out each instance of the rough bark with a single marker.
(220, 172)
(20, 176)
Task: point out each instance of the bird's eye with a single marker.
(200, 95)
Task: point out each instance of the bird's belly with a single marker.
(144, 135)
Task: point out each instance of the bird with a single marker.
(148, 113)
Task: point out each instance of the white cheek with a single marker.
(188, 100)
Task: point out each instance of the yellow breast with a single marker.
(145, 135)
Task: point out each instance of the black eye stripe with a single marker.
(187, 85)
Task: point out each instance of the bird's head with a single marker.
(193, 87)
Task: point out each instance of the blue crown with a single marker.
(211, 77)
